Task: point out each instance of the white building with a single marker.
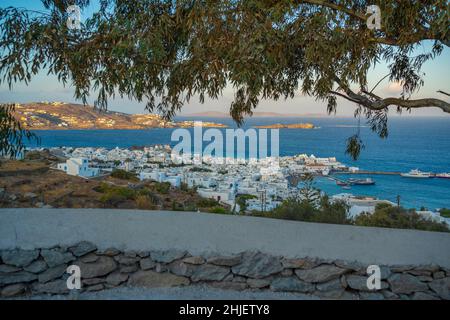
(78, 167)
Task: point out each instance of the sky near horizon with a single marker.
(47, 88)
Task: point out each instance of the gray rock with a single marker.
(237, 278)
(101, 267)
(6, 268)
(227, 261)
(258, 283)
(385, 272)
(116, 278)
(303, 263)
(94, 288)
(30, 195)
(418, 272)
(130, 254)
(19, 258)
(52, 273)
(17, 277)
(229, 285)
(330, 285)
(406, 283)
(110, 252)
(360, 283)
(439, 275)
(36, 267)
(160, 268)
(126, 260)
(351, 265)
(401, 268)
(371, 296)
(13, 290)
(194, 260)
(2, 192)
(209, 272)
(389, 295)
(429, 267)
(423, 296)
(181, 269)
(56, 257)
(291, 284)
(441, 287)
(12, 197)
(143, 254)
(257, 265)
(287, 272)
(151, 279)
(54, 287)
(147, 264)
(425, 278)
(321, 273)
(90, 257)
(129, 269)
(93, 281)
(167, 256)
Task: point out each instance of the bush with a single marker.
(304, 210)
(388, 216)
(124, 175)
(207, 203)
(162, 187)
(219, 210)
(114, 194)
(445, 213)
(144, 202)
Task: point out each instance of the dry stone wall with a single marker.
(43, 271)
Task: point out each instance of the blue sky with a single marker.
(43, 87)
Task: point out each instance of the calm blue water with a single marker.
(422, 143)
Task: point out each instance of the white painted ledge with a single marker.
(202, 233)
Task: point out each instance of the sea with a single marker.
(413, 143)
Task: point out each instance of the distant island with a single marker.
(65, 116)
(287, 126)
(218, 114)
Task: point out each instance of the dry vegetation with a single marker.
(32, 183)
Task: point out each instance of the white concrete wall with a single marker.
(200, 233)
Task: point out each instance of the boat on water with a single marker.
(342, 183)
(443, 175)
(361, 182)
(417, 174)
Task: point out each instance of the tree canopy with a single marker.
(166, 52)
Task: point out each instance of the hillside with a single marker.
(60, 115)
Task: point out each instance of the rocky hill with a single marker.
(60, 115)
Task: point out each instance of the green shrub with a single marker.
(445, 213)
(162, 187)
(218, 210)
(388, 216)
(207, 203)
(124, 175)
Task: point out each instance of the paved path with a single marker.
(178, 293)
(202, 233)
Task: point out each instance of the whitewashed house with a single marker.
(78, 167)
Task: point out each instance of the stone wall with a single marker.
(43, 271)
